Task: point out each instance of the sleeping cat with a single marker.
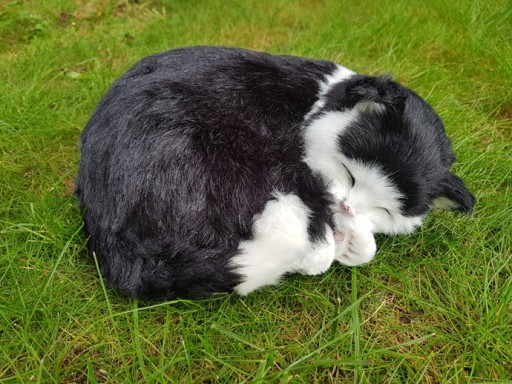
(210, 169)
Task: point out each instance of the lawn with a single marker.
(433, 307)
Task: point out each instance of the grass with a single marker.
(434, 307)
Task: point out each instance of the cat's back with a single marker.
(208, 86)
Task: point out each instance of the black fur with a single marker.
(188, 145)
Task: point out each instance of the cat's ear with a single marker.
(454, 195)
(366, 93)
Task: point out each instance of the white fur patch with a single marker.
(322, 150)
(281, 245)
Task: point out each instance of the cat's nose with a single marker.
(348, 209)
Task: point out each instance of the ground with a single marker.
(433, 307)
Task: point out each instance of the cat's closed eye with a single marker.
(352, 179)
(385, 209)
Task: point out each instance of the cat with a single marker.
(207, 170)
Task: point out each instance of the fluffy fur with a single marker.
(210, 169)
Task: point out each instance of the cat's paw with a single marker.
(356, 248)
(319, 258)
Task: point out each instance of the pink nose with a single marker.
(348, 209)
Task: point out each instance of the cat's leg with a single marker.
(357, 244)
(280, 244)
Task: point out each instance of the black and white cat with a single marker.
(210, 169)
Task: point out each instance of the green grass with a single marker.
(434, 307)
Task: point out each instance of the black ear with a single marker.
(454, 195)
(366, 91)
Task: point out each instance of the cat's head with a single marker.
(384, 153)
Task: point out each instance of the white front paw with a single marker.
(356, 248)
(319, 258)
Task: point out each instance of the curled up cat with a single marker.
(211, 169)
